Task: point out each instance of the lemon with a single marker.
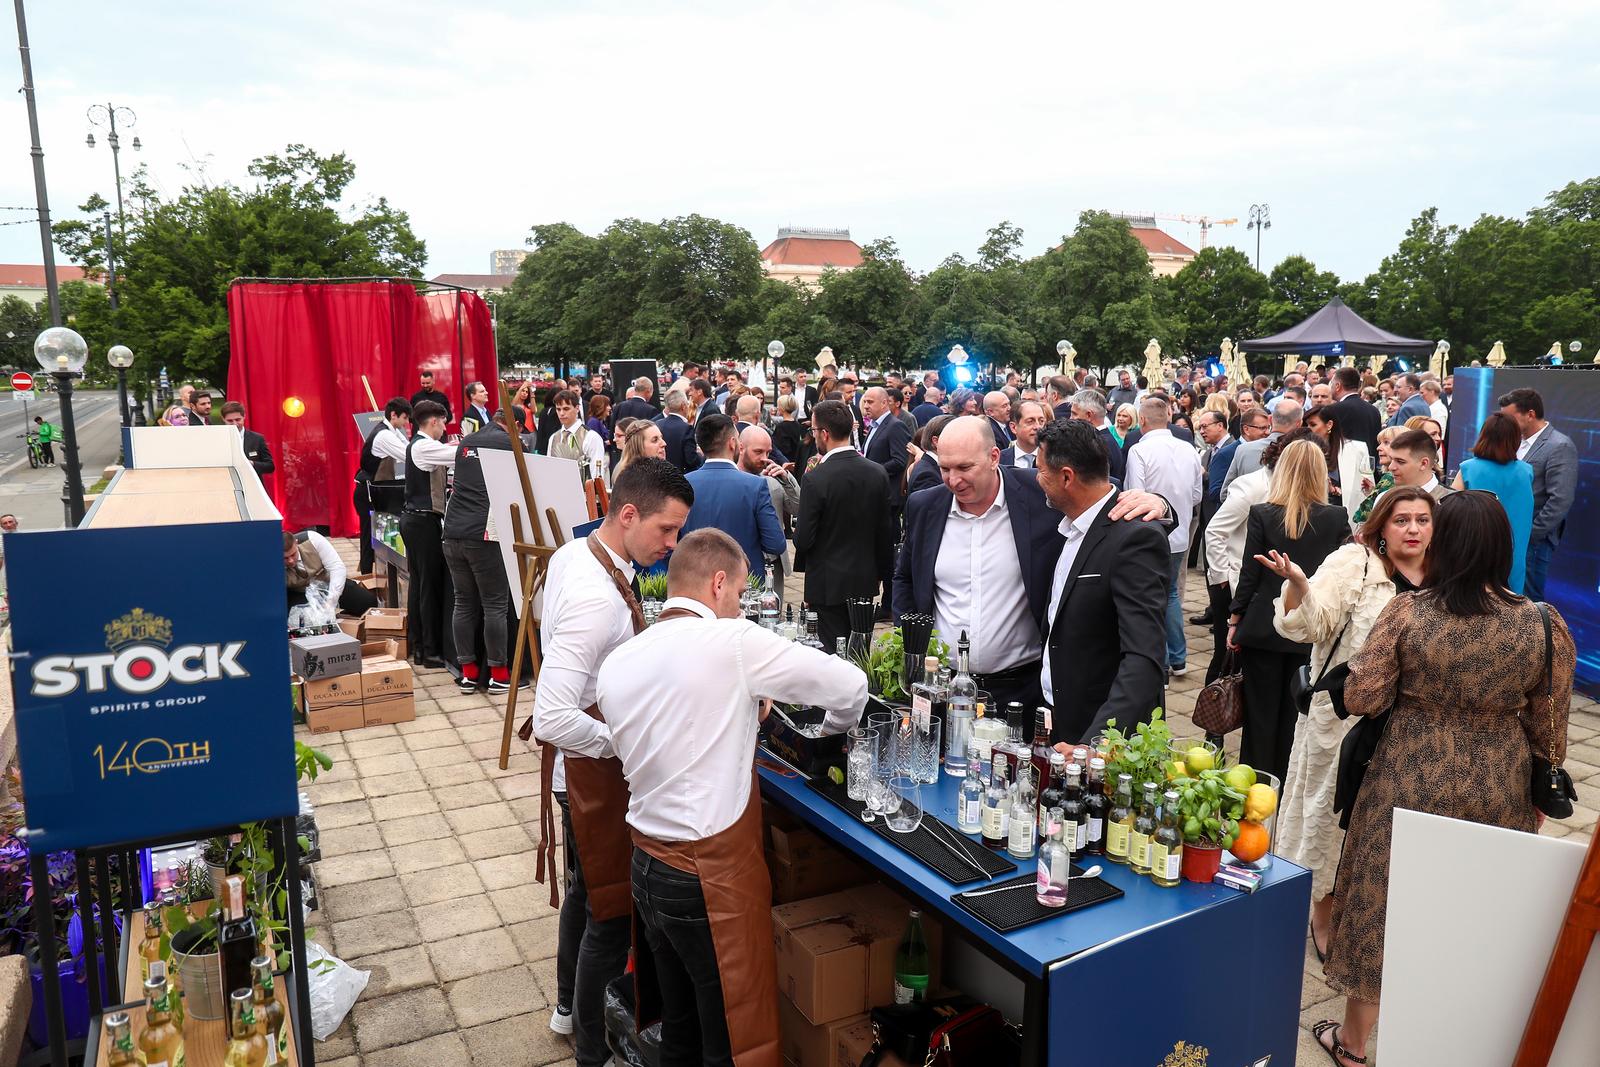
(1199, 758)
(1241, 776)
(1260, 802)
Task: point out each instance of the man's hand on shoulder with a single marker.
(1137, 504)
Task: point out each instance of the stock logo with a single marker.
(138, 660)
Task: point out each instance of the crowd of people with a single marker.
(1055, 525)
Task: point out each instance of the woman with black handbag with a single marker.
(1334, 612)
(1477, 681)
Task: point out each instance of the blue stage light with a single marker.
(962, 375)
(1403, 366)
(1214, 367)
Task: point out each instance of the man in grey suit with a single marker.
(1286, 416)
(1554, 459)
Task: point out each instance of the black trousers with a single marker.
(364, 517)
(591, 953)
(672, 910)
(1269, 712)
(482, 598)
(833, 622)
(431, 597)
(1220, 597)
(1022, 685)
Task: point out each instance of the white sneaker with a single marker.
(561, 1021)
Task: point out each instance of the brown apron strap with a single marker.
(547, 823)
(624, 589)
(676, 613)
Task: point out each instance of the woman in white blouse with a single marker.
(1333, 611)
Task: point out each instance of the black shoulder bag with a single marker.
(1329, 680)
(1553, 793)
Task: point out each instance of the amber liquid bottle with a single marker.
(160, 1042)
(269, 1013)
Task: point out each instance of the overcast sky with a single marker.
(927, 122)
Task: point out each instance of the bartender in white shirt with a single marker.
(687, 739)
(380, 477)
(589, 610)
(430, 598)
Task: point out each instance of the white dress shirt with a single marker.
(1026, 460)
(430, 454)
(585, 618)
(1160, 463)
(830, 453)
(1440, 413)
(1226, 529)
(687, 737)
(592, 449)
(1527, 442)
(978, 587)
(330, 563)
(1073, 530)
(391, 444)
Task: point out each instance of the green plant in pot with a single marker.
(1141, 752)
(1209, 810)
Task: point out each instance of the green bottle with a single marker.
(911, 963)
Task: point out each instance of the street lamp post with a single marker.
(62, 354)
(1260, 219)
(774, 353)
(107, 115)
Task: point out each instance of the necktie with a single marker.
(624, 589)
(1027, 461)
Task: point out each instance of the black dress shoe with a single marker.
(431, 662)
(1199, 620)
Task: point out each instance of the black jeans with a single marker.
(1220, 598)
(589, 954)
(430, 597)
(482, 597)
(1269, 711)
(363, 505)
(672, 910)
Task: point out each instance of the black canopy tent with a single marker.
(1337, 331)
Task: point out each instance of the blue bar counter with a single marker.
(1200, 973)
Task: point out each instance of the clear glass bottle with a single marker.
(1119, 820)
(151, 963)
(160, 1042)
(926, 699)
(996, 807)
(810, 639)
(790, 631)
(1096, 806)
(246, 1048)
(1055, 865)
(1166, 844)
(169, 900)
(1074, 812)
(119, 1041)
(750, 604)
(961, 703)
(1021, 833)
(841, 647)
(969, 809)
(270, 1014)
(1144, 824)
(1016, 747)
(770, 604)
(911, 967)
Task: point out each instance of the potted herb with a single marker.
(1209, 810)
(1141, 753)
(885, 665)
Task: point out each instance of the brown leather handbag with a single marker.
(1219, 709)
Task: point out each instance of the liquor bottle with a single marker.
(996, 812)
(1055, 865)
(811, 640)
(911, 970)
(1074, 812)
(169, 900)
(1144, 824)
(768, 605)
(927, 702)
(246, 1046)
(151, 963)
(1053, 793)
(1095, 806)
(1166, 844)
(1041, 750)
(1119, 820)
(270, 1014)
(961, 706)
(790, 631)
(160, 1042)
(236, 940)
(1020, 835)
(750, 604)
(969, 812)
(119, 1041)
(841, 647)
(1017, 750)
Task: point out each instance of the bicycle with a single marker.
(35, 452)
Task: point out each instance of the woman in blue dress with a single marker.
(1495, 468)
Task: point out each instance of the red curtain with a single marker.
(313, 341)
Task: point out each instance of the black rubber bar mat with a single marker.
(956, 857)
(1006, 908)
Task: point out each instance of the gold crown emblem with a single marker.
(1184, 1054)
(138, 627)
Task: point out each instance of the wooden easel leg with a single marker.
(1561, 976)
(524, 642)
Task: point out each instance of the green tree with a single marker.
(785, 311)
(869, 310)
(1296, 290)
(20, 322)
(1096, 291)
(1217, 294)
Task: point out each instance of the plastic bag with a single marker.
(318, 612)
(334, 986)
(630, 1048)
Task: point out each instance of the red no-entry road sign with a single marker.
(22, 381)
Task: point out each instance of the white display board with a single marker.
(556, 484)
(1473, 915)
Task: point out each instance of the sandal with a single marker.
(1322, 956)
(1337, 1051)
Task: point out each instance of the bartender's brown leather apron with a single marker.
(733, 876)
(597, 796)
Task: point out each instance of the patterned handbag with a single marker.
(1219, 709)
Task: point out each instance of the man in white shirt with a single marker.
(589, 609)
(1438, 410)
(572, 439)
(686, 739)
(430, 606)
(1160, 463)
(383, 460)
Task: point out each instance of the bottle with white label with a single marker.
(1097, 805)
(151, 962)
(996, 807)
(1144, 825)
(1119, 820)
(1074, 812)
(960, 712)
(969, 810)
(1020, 834)
(1166, 844)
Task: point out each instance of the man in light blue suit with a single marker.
(728, 499)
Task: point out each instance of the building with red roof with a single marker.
(1168, 255)
(27, 280)
(803, 254)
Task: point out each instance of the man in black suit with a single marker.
(679, 434)
(428, 392)
(1089, 405)
(639, 405)
(886, 440)
(255, 446)
(843, 539)
(1105, 644)
(997, 406)
(1058, 391)
(925, 473)
(929, 409)
(701, 398)
(477, 408)
(1027, 419)
(805, 394)
(1357, 420)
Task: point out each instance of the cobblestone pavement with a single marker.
(427, 878)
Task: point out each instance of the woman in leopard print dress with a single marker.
(1461, 663)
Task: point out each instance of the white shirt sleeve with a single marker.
(428, 454)
(785, 671)
(390, 444)
(330, 563)
(594, 449)
(1135, 476)
(572, 657)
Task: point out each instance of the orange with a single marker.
(1252, 842)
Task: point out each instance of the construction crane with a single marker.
(1205, 222)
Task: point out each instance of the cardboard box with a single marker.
(852, 1041)
(804, 865)
(375, 582)
(383, 677)
(383, 648)
(803, 1044)
(324, 656)
(352, 627)
(385, 622)
(322, 693)
(338, 717)
(835, 953)
(389, 710)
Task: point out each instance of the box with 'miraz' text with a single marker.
(325, 656)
